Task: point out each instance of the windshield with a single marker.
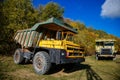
(109, 44)
(64, 36)
(70, 37)
(104, 43)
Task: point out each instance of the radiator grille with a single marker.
(106, 51)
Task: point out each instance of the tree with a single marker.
(20, 14)
(15, 15)
(51, 10)
(1, 14)
(40, 10)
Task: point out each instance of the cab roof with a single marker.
(105, 40)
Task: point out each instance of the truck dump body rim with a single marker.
(56, 22)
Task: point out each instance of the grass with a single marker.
(91, 69)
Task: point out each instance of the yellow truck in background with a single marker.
(105, 48)
(46, 43)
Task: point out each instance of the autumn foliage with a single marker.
(21, 14)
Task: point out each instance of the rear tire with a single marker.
(18, 56)
(41, 62)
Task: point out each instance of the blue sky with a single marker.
(99, 14)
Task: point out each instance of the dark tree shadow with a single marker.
(67, 68)
(92, 75)
(75, 67)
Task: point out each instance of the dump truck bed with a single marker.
(30, 37)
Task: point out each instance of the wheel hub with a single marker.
(39, 63)
(17, 56)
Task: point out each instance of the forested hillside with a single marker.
(21, 14)
(86, 36)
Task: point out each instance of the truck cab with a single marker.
(46, 43)
(105, 48)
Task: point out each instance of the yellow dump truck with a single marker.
(45, 43)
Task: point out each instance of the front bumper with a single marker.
(106, 56)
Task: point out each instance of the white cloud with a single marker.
(111, 9)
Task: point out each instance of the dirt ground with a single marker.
(91, 69)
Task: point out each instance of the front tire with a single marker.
(41, 62)
(114, 58)
(97, 58)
